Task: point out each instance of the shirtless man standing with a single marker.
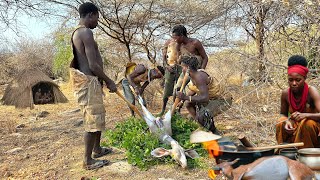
(176, 47)
(86, 69)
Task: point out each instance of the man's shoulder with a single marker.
(313, 89)
(168, 42)
(201, 76)
(284, 92)
(82, 31)
(194, 41)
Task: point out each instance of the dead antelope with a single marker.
(162, 128)
(266, 168)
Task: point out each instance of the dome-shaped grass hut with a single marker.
(32, 87)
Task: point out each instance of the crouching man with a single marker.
(138, 76)
(205, 97)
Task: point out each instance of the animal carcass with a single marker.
(162, 128)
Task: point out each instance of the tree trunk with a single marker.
(129, 52)
(262, 75)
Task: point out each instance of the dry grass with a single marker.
(254, 112)
(8, 126)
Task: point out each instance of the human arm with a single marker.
(95, 67)
(138, 70)
(289, 125)
(315, 97)
(202, 53)
(200, 80)
(143, 87)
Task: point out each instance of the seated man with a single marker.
(300, 107)
(38, 97)
(206, 97)
(134, 76)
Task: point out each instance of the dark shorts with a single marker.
(206, 112)
(170, 79)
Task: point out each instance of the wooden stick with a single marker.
(177, 100)
(133, 107)
(276, 146)
(243, 139)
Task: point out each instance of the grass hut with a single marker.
(22, 90)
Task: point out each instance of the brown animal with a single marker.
(266, 168)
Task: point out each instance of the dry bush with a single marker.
(256, 105)
(28, 54)
(8, 126)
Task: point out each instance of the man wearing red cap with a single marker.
(300, 107)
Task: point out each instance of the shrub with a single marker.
(133, 135)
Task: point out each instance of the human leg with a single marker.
(89, 141)
(307, 132)
(99, 151)
(191, 109)
(168, 89)
(88, 92)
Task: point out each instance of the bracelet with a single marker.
(190, 98)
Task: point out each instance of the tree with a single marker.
(258, 18)
(139, 25)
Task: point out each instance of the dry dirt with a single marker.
(51, 147)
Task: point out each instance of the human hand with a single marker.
(137, 90)
(170, 69)
(111, 86)
(290, 126)
(297, 116)
(181, 96)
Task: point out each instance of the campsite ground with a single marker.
(51, 147)
(47, 142)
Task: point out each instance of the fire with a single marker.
(212, 147)
(212, 174)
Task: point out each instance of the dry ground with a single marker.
(51, 147)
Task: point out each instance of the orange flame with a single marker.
(212, 174)
(212, 147)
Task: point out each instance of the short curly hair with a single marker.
(87, 8)
(297, 60)
(179, 30)
(190, 61)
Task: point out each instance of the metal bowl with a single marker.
(310, 157)
(245, 157)
(290, 153)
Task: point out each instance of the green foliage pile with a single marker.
(133, 135)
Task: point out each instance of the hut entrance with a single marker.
(30, 87)
(43, 93)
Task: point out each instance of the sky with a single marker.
(33, 28)
(27, 27)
